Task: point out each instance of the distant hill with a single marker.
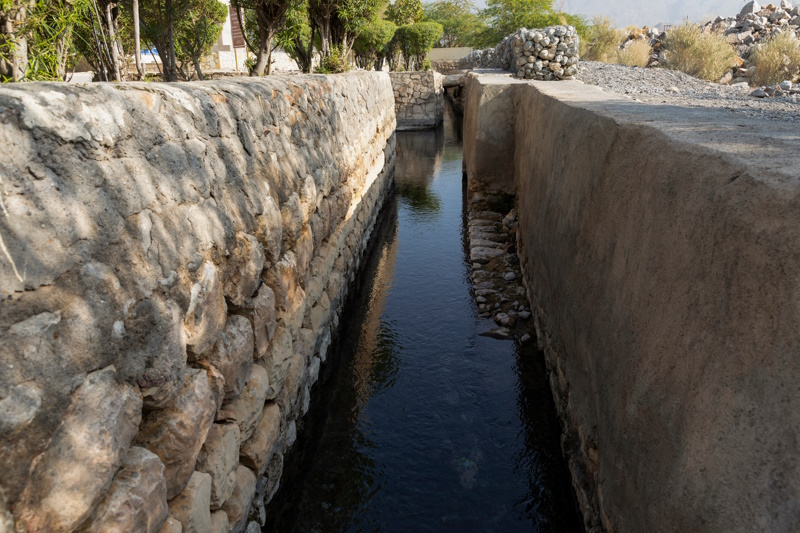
(641, 12)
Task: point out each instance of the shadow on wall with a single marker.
(122, 199)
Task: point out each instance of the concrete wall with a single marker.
(174, 260)
(419, 99)
(660, 250)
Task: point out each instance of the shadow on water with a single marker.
(418, 423)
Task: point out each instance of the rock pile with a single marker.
(547, 54)
(496, 276)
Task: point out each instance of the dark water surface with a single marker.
(417, 423)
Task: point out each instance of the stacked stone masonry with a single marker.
(174, 261)
(419, 99)
(548, 54)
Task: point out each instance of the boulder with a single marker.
(749, 8)
(176, 434)
(257, 451)
(232, 355)
(246, 410)
(219, 457)
(237, 506)
(137, 499)
(191, 506)
(205, 318)
(86, 451)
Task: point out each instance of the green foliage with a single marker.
(51, 33)
(462, 25)
(705, 55)
(371, 45)
(199, 29)
(414, 41)
(294, 37)
(603, 40)
(403, 12)
(507, 16)
(334, 62)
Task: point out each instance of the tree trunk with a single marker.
(170, 62)
(136, 39)
(196, 61)
(310, 56)
(262, 58)
(112, 38)
(15, 46)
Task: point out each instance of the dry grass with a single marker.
(776, 60)
(603, 41)
(704, 55)
(637, 54)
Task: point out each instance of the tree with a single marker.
(403, 12)
(51, 35)
(296, 38)
(269, 17)
(370, 46)
(416, 40)
(158, 20)
(507, 16)
(462, 26)
(199, 30)
(14, 38)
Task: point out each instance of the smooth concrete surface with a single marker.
(661, 249)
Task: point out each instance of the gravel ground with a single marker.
(663, 86)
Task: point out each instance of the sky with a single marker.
(650, 13)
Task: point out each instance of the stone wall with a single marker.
(174, 260)
(660, 261)
(548, 54)
(419, 99)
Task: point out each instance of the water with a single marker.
(417, 423)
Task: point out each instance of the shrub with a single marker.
(776, 60)
(603, 41)
(334, 62)
(704, 55)
(370, 46)
(636, 54)
(414, 41)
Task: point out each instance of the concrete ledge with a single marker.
(661, 249)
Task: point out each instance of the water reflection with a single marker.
(419, 424)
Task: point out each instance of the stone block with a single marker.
(205, 318)
(243, 269)
(246, 410)
(191, 506)
(176, 434)
(219, 522)
(277, 361)
(156, 349)
(238, 505)
(171, 525)
(219, 457)
(137, 499)
(282, 279)
(288, 395)
(270, 230)
(86, 451)
(232, 355)
(257, 451)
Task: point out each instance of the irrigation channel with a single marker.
(418, 423)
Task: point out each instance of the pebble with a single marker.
(509, 276)
(759, 93)
(525, 338)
